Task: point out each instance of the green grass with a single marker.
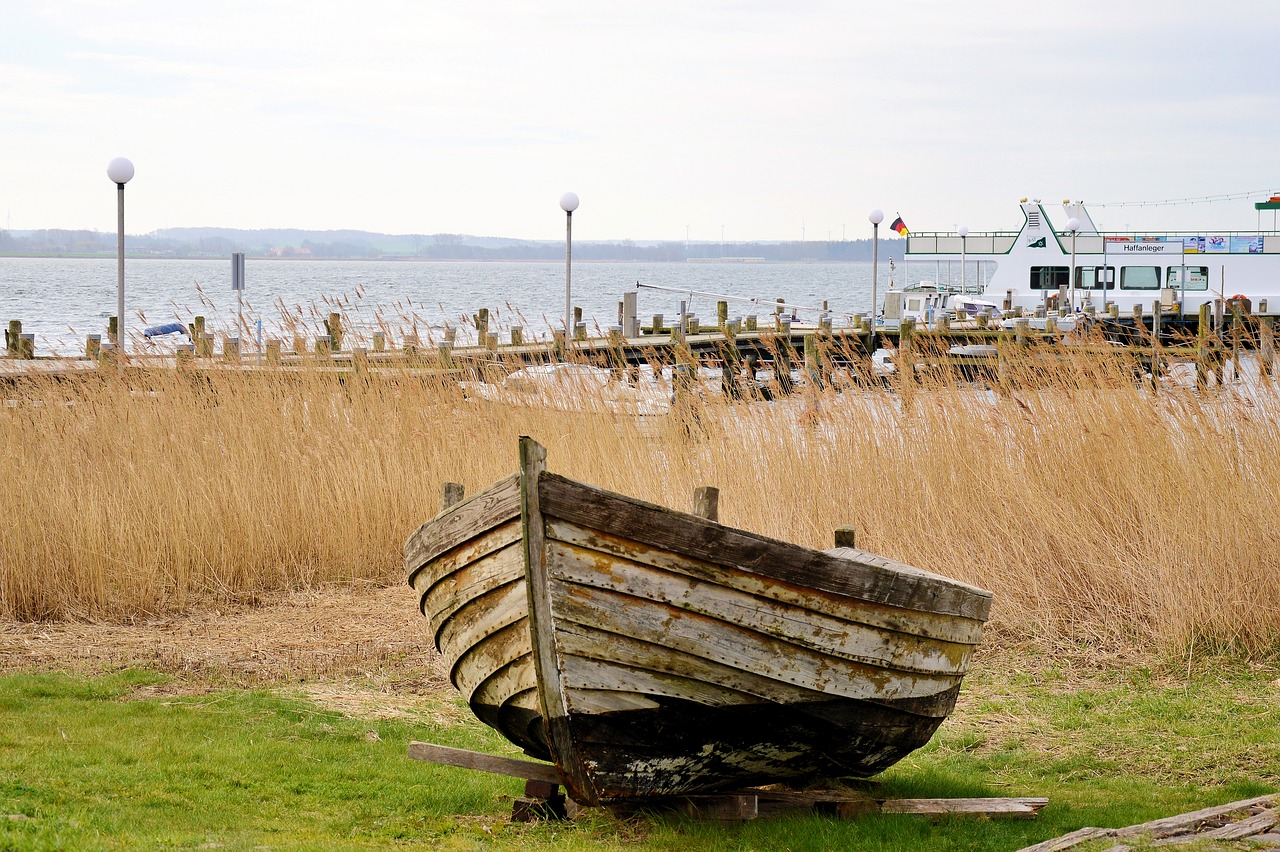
(130, 761)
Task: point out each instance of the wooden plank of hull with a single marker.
(710, 639)
(461, 522)
(872, 578)
(841, 633)
(945, 627)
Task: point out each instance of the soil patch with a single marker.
(363, 632)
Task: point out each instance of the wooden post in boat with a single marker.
(451, 493)
(846, 536)
(706, 502)
(1267, 344)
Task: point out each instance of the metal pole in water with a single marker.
(875, 217)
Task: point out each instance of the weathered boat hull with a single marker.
(651, 653)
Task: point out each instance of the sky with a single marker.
(710, 119)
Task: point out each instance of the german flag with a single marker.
(899, 226)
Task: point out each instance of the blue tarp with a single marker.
(167, 328)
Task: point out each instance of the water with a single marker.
(61, 300)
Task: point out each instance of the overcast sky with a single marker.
(769, 120)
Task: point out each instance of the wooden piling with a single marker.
(517, 335)
(324, 346)
(722, 314)
(1267, 344)
(481, 320)
(273, 351)
(92, 344)
(12, 338)
(846, 536)
(706, 502)
(630, 323)
(1204, 340)
(812, 360)
(379, 341)
(230, 348)
(333, 325)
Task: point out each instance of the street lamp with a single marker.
(875, 217)
(120, 171)
(1073, 225)
(568, 203)
(963, 230)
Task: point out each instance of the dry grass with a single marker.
(1099, 512)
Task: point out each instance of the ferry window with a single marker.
(1091, 277)
(1197, 277)
(1048, 277)
(1140, 278)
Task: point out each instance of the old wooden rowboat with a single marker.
(648, 652)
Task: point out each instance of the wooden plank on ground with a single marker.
(514, 767)
(992, 807)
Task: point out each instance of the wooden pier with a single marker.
(973, 349)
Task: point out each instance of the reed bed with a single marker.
(1101, 512)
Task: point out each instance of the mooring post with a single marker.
(333, 325)
(906, 355)
(706, 502)
(12, 338)
(273, 351)
(92, 344)
(1155, 344)
(1267, 344)
(722, 314)
(230, 348)
(379, 341)
(630, 320)
(812, 360)
(1203, 339)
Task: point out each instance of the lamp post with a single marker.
(568, 203)
(120, 171)
(1073, 225)
(963, 230)
(875, 217)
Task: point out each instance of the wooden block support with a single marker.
(464, 759)
(845, 536)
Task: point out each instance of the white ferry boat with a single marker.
(1046, 264)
